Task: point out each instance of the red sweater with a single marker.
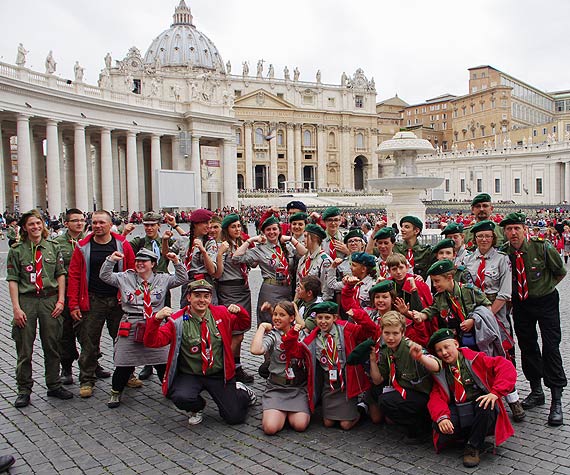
(78, 275)
(170, 333)
(497, 375)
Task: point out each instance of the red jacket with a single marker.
(496, 374)
(170, 333)
(78, 272)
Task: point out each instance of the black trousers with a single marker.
(232, 402)
(410, 412)
(546, 312)
(122, 374)
(483, 425)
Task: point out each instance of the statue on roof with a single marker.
(108, 61)
(245, 71)
(286, 74)
(228, 67)
(78, 71)
(271, 72)
(21, 56)
(50, 63)
(319, 76)
(260, 68)
(296, 74)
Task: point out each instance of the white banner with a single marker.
(211, 169)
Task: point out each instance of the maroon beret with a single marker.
(201, 215)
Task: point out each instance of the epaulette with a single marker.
(537, 239)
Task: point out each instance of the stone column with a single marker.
(39, 169)
(321, 157)
(107, 180)
(298, 156)
(69, 174)
(53, 169)
(25, 185)
(176, 162)
(155, 165)
(90, 176)
(345, 162)
(196, 167)
(290, 155)
(141, 173)
(248, 151)
(97, 172)
(115, 156)
(132, 173)
(273, 158)
(80, 155)
(373, 155)
(567, 182)
(229, 169)
(7, 172)
(123, 176)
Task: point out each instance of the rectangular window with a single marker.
(539, 186)
(359, 102)
(544, 131)
(237, 93)
(239, 155)
(497, 185)
(553, 129)
(280, 95)
(517, 186)
(534, 133)
(462, 185)
(331, 102)
(307, 99)
(308, 157)
(479, 185)
(280, 155)
(447, 185)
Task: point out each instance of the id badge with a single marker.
(333, 375)
(289, 373)
(32, 277)
(280, 274)
(387, 389)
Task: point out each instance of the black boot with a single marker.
(536, 396)
(555, 416)
(146, 372)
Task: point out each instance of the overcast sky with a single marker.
(417, 49)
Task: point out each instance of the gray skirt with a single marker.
(129, 353)
(286, 398)
(335, 405)
(272, 294)
(238, 294)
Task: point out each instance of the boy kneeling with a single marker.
(465, 401)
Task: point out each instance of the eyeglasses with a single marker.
(484, 238)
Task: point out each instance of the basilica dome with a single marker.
(183, 45)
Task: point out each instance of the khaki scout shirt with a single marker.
(21, 265)
(67, 245)
(468, 296)
(423, 256)
(410, 374)
(542, 265)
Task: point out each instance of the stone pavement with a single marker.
(146, 434)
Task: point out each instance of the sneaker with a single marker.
(134, 382)
(195, 418)
(517, 410)
(250, 392)
(115, 400)
(362, 408)
(66, 377)
(102, 373)
(242, 376)
(470, 456)
(60, 393)
(86, 391)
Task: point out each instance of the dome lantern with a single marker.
(182, 15)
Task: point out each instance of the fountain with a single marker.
(405, 185)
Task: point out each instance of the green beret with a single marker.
(443, 244)
(441, 267)
(440, 335)
(331, 212)
(364, 259)
(385, 233)
(481, 198)
(298, 217)
(325, 307)
(361, 352)
(200, 285)
(354, 233)
(417, 222)
(229, 219)
(152, 218)
(381, 287)
(513, 218)
(268, 222)
(486, 225)
(316, 230)
(453, 228)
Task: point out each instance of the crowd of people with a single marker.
(354, 316)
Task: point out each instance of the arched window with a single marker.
(280, 138)
(238, 136)
(332, 140)
(307, 138)
(359, 140)
(259, 136)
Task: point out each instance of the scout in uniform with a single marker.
(453, 302)
(481, 208)
(363, 270)
(286, 397)
(307, 294)
(383, 243)
(537, 269)
(405, 369)
(143, 292)
(200, 356)
(418, 255)
(445, 249)
(465, 401)
(317, 262)
(455, 231)
(409, 287)
(297, 223)
(490, 269)
(36, 281)
(333, 243)
(293, 207)
(75, 223)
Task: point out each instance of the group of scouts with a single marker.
(414, 335)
